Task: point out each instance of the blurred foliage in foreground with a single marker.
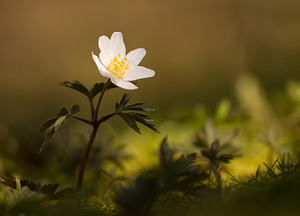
(241, 159)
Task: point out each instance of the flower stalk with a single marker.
(95, 123)
(100, 99)
(85, 158)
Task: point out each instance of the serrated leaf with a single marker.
(62, 112)
(211, 153)
(182, 174)
(33, 186)
(225, 158)
(98, 87)
(165, 154)
(75, 109)
(139, 107)
(49, 188)
(48, 124)
(78, 86)
(130, 122)
(56, 126)
(111, 86)
(125, 99)
(9, 181)
(139, 117)
(47, 140)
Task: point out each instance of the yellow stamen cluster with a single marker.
(118, 66)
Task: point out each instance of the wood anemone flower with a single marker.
(113, 62)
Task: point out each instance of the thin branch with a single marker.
(100, 99)
(82, 119)
(104, 118)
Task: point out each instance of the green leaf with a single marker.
(33, 186)
(136, 199)
(130, 122)
(125, 99)
(165, 154)
(143, 120)
(182, 174)
(48, 124)
(9, 181)
(75, 109)
(59, 122)
(54, 124)
(132, 117)
(225, 158)
(47, 140)
(140, 115)
(49, 188)
(78, 86)
(139, 107)
(111, 86)
(62, 112)
(98, 87)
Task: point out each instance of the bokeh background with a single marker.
(198, 49)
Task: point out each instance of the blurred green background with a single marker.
(198, 49)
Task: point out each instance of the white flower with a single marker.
(116, 65)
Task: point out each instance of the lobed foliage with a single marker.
(202, 177)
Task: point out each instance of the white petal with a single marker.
(102, 69)
(118, 44)
(137, 72)
(106, 49)
(136, 56)
(123, 84)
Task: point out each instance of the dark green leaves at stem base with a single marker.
(33, 186)
(47, 189)
(182, 174)
(174, 174)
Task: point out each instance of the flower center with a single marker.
(118, 66)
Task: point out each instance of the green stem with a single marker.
(85, 158)
(95, 123)
(92, 109)
(82, 119)
(100, 99)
